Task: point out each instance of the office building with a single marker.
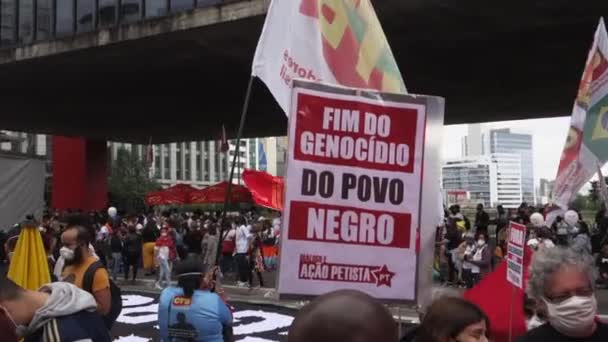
(501, 145)
(202, 163)
(500, 142)
(508, 179)
(545, 190)
(198, 163)
(475, 175)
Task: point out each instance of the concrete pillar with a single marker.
(193, 166)
(212, 153)
(80, 174)
(173, 159)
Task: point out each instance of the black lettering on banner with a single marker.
(396, 191)
(364, 188)
(326, 184)
(349, 181)
(380, 189)
(309, 182)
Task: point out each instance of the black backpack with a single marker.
(116, 302)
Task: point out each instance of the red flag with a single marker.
(267, 190)
(495, 295)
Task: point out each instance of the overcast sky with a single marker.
(549, 136)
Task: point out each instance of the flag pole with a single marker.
(603, 191)
(239, 134)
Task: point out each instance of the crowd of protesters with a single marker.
(125, 244)
(465, 251)
(560, 302)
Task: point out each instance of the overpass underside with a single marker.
(183, 76)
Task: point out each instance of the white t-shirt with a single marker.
(477, 257)
(243, 234)
(163, 253)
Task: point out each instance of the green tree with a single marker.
(594, 191)
(129, 181)
(581, 202)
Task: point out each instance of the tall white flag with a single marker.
(334, 41)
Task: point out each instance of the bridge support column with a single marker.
(80, 174)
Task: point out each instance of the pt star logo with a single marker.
(383, 276)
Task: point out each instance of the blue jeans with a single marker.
(164, 271)
(116, 260)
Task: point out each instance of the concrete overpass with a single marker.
(181, 75)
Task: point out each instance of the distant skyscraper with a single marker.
(471, 143)
(502, 144)
(476, 175)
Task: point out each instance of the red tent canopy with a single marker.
(177, 194)
(217, 194)
(266, 189)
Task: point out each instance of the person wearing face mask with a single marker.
(451, 319)
(535, 313)
(78, 258)
(481, 259)
(467, 248)
(581, 241)
(562, 280)
(56, 312)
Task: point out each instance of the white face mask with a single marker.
(481, 242)
(573, 317)
(534, 322)
(66, 253)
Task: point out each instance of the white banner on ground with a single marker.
(353, 192)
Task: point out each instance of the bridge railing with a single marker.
(24, 22)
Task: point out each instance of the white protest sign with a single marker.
(353, 192)
(515, 254)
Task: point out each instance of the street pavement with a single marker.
(138, 321)
(268, 296)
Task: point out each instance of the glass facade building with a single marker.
(476, 175)
(28, 21)
(503, 144)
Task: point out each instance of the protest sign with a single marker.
(515, 254)
(353, 192)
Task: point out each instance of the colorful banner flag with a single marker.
(587, 142)
(334, 41)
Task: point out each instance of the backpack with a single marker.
(116, 301)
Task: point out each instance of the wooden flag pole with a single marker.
(239, 134)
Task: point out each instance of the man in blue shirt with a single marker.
(190, 312)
